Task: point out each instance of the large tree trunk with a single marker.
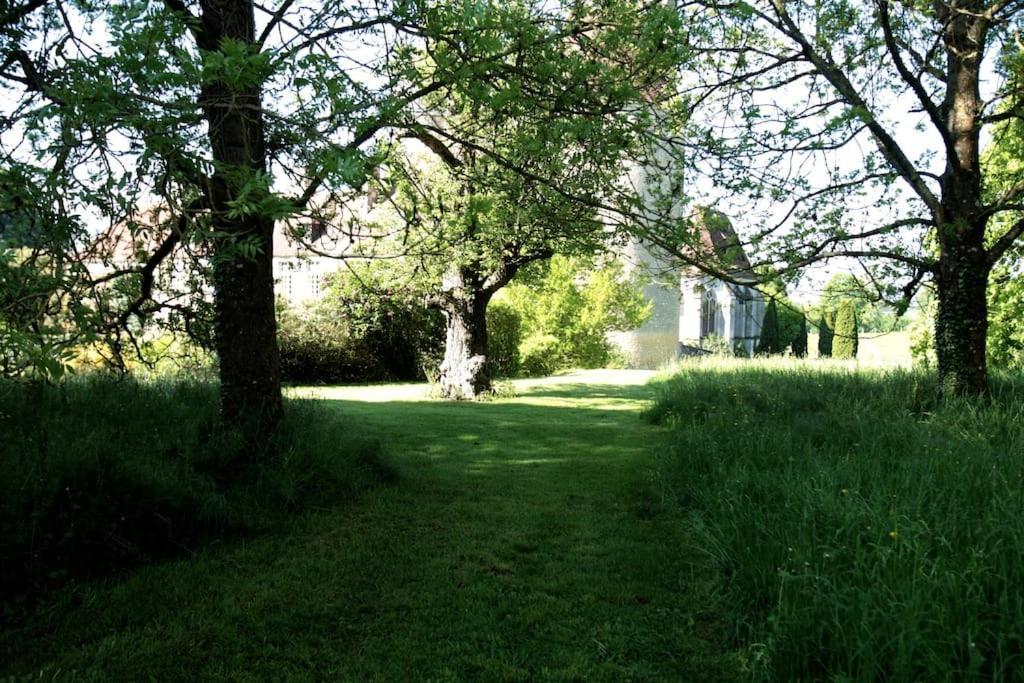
(961, 323)
(246, 328)
(465, 371)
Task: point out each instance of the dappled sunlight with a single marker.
(586, 421)
(591, 386)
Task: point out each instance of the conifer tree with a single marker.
(799, 345)
(845, 343)
(825, 333)
(770, 342)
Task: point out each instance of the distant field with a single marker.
(882, 349)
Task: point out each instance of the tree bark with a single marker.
(465, 370)
(962, 272)
(961, 323)
(246, 327)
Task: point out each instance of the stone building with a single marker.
(692, 312)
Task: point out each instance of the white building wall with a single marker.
(654, 343)
(302, 280)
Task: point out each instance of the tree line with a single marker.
(235, 117)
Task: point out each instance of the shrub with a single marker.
(799, 346)
(541, 355)
(845, 342)
(825, 333)
(504, 332)
(770, 342)
(98, 474)
(717, 345)
(362, 330)
(577, 302)
(872, 536)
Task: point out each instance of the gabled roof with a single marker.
(721, 245)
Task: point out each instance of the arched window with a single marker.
(708, 313)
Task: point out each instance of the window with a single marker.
(708, 314)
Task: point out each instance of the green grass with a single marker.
(521, 542)
(99, 475)
(859, 527)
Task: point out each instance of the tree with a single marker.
(826, 333)
(873, 315)
(858, 79)
(515, 177)
(799, 346)
(789, 312)
(845, 343)
(770, 342)
(232, 116)
(184, 104)
(570, 306)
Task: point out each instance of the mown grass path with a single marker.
(523, 541)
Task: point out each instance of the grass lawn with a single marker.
(523, 540)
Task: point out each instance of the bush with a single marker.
(845, 342)
(97, 475)
(504, 332)
(577, 302)
(871, 536)
(361, 332)
(770, 342)
(825, 333)
(541, 355)
(717, 345)
(799, 346)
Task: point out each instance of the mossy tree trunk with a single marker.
(961, 322)
(962, 271)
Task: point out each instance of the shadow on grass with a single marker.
(512, 550)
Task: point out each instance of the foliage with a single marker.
(542, 355)
(569, 306)
(826, 333)
(101, 474)
(799, 345)
(788, 312)
(40, 321)
(1006, 321)
(504, 335)
(717, 345)
(828, 524)
(872, 315)
(770, 342)
(372, 324)
(845, 340)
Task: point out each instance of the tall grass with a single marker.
(861, 527)
(97, 475)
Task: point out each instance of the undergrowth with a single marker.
(861, 526)
(98, 475)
